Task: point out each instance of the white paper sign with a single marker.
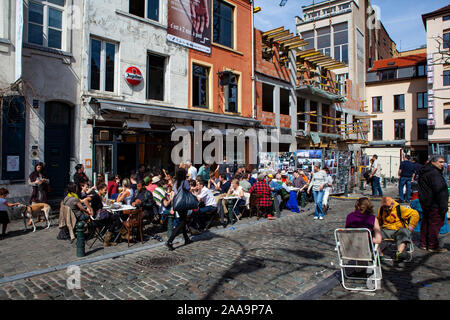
(12, 163)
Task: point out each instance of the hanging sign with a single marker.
(133, 76)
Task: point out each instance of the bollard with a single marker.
(303, 199)
(346, 191)
(361, 185)
(384, 182)
(169, 224)
(80, 229)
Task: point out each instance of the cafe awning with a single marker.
(133, 124)
(172, 112)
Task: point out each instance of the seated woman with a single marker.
(113, 186)
(237, 191)
(127, 193)
(74, 203)
(363, 217)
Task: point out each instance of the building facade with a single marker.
(437, 25)
(397, 93)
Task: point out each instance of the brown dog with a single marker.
(35, 210)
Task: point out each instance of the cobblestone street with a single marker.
(279, 259)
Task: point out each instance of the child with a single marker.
(4, 218)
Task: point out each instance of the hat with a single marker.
(283, 173)
(155, 179)
(270, 176)
(146, 180)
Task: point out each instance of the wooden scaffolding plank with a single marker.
(269, 32)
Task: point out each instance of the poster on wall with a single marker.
(287, 161)
(12, 163)
(306, 159)
(189, 24)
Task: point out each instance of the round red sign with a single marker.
(133, 76)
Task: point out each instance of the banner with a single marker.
(18, 44)
(189, 24)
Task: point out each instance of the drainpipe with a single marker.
(253, 62)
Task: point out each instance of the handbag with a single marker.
(184, 200)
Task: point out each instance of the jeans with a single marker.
(376, 186)
(431, 224)
(404, 181)
(318, 197)
(277, 202)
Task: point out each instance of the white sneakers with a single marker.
(320, 218)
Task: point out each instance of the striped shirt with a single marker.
(318, 179)
(158, 195)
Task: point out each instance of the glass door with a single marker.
(103, 158)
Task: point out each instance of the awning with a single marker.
(311, 90)
(173, 112)
(133, 124)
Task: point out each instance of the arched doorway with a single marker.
(58, 130)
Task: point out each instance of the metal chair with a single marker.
(356, 250)
(391, 245)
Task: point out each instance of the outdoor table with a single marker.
(235, 203)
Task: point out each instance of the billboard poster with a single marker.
(189, 24)
(307, 158)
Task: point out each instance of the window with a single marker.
(446, 40)
(200, 86)
(422, 100)
(102, 65)
(155, 78)
(145, 8)
(377, 130)
(341, 42)
(45, 19)
(223, 23)
(267, 95)
(399, 102)
(446, 18)
(447, 78)
(399, 129)
(446, 116)
(377, 104)
(231, 94)
(344, 6)
(313, 107)
(421, 71)
(324, 40)
(308, 36)
(284, 101)
(342, 83)
(301, 108)
(422, 129)
(387, 75)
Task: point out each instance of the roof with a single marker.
(436, 13)
(399, 62)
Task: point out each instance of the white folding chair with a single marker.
(356, 250)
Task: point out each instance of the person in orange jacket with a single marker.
(397, 227)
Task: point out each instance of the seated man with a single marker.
(143, 199)
(397, 223)
(205, 196)
(263, 189)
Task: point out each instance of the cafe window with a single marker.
(155, 76)
(399, 129)
(399, 102)
(200, 86)
(102, 65)
(377, 130)
(223, 24)
(145, 9)
(45, 23)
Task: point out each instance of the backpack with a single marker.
(399, 215)
(63, 234)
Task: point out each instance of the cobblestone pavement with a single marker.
(278, 259)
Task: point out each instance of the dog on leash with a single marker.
(35, 211)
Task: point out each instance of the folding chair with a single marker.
(95, 231)
(356, 250)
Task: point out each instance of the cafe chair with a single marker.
(254, 204)
(134, 221)
(213, 216)
(356, 251)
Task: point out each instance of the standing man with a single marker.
(80, 176)
(406, 173)
(224, 168)
(375, 175)
(192, 171)
(433, 197)
(318, 182)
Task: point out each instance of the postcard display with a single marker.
(339, 163)
(274, 161)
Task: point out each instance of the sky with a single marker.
(401, 18)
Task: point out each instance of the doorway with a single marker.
(126, 159)
(57, 146)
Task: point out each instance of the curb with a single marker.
(321, 288)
